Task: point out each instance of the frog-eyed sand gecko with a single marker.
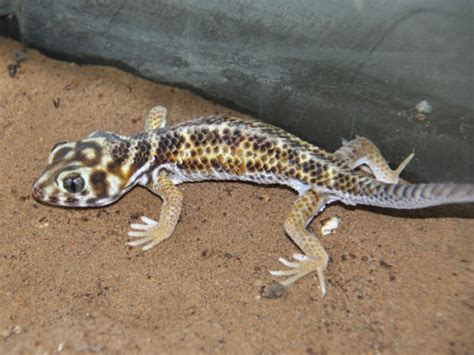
(98, 170)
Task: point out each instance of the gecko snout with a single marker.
(38, 193)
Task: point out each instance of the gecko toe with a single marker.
(139, 242)
(149, 233)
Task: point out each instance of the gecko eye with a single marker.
(74, 183)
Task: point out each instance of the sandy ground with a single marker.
(399, 282)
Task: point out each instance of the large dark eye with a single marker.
(74, 183)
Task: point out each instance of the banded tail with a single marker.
(409, 196)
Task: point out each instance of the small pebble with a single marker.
(424, 107)
(330, 225)
(17, 329)
(60, 347)
(19, 56)
(272, 291)
(12, 68)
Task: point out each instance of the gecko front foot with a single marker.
(149, 233)
(301, 267)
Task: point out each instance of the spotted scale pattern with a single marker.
(227, 148)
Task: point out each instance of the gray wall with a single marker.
(321, 69)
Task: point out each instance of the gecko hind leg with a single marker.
(361, 152)
(152, 232)
(315, 257)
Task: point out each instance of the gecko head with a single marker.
(88, 173)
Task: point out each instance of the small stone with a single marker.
(60, 347)
(263, 197)
(17, 329)
(12, 68)
(19, 56)
(272, 291)
(330, 225)
(424, 107)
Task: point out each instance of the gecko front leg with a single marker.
(152, 232)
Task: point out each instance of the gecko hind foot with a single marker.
(301, 267)
(149, 233)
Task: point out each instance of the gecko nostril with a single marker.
(38, 193)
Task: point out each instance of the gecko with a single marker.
(98, 170)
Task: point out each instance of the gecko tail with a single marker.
(411, 196)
